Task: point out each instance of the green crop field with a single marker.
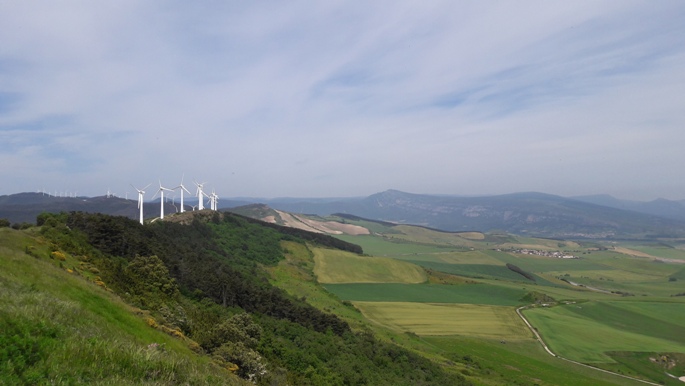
(524, 362)
(382, 246)
(494, 322)
(466, 257)
(585, 331)
(429, 293)
(662, 251)
(336, 266)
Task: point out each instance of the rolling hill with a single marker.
(535, 214)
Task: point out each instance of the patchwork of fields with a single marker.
(604, 302)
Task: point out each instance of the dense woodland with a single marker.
(204, 282)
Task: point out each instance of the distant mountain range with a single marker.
(532, 213)
(535, 214)
(659, 207)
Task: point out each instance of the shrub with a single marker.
(58, 256)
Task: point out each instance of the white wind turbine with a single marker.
(160, 191)
(214, 200)
(141, 193)
(200, 193)
(182, 189)
(173, 202)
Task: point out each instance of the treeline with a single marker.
(521, 272)
(199, 280)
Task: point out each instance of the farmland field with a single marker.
(335, 266)
(623, 305)
(585, 331)
(380, 246)
(658, 251)
(494, 322)
(523, 362)
(429, 293)
(466, 257)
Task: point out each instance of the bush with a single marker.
(4, 223)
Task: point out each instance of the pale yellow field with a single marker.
(471, 235)
(335, 266)
(493, 322)
(633, 252)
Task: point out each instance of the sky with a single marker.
(343, 98)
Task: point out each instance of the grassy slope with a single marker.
(58, 328)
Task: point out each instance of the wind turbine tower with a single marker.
(214, 200)
(200, 199)
(141, 193)
(161, 199)
(182, 189)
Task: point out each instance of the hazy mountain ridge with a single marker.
(659, 207)
(25, 207)
(532, 213)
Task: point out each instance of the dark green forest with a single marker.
(204, 282)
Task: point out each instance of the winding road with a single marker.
(542, 342)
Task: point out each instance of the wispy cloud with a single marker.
(342, 98)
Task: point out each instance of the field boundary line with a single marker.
(542, 342)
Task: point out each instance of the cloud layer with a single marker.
(341, 99)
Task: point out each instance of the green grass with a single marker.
(467, 257)
(384, 246)
(655, 366)
(336, 266)
(521, 362)
(584, 332)
(663, 251)
(495, 322)
(429, 293)
(58, 328)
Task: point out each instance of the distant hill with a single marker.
(530, 213)
(25, 207)
(659, 207)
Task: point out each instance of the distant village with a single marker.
(537, 252)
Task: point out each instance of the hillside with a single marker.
(201, 282)
(58, 326)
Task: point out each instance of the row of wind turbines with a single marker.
(200, 194)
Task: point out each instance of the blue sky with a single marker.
(309, 99)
